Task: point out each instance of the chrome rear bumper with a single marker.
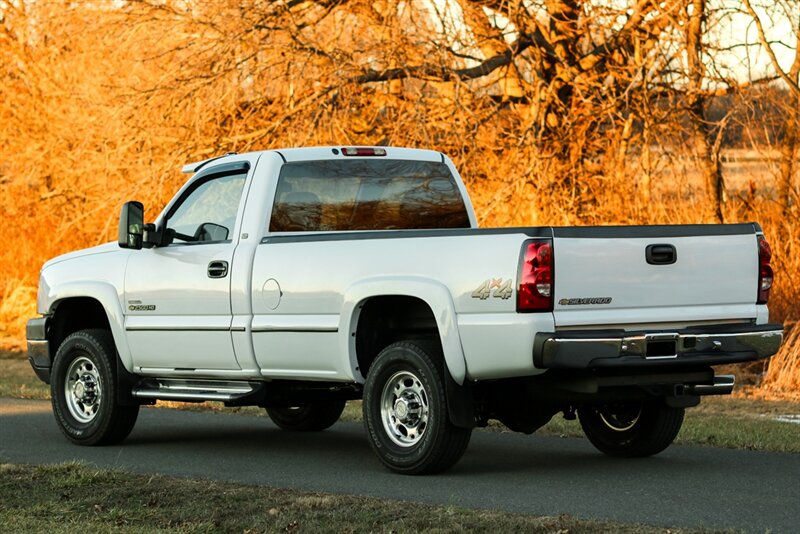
(696, 346)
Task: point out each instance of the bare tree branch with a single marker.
(762, 37)
(444, 72)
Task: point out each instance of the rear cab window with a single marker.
(366, 194)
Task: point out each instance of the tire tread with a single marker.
(452, 442)
(321, 415)
(119, 422)
(651, 435)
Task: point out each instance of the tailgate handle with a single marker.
(660, 254)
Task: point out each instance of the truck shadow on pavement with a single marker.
(347, 446)
(168, 439)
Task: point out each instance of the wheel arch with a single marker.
(416, 306)
(79, 306)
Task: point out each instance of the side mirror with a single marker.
(131, 225)
(211, 232)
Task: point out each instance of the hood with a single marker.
(99, 249)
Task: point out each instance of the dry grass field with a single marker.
(104, 102)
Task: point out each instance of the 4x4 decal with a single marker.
(495, 287)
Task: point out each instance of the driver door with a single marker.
(177, 297)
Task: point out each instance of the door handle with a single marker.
(218, 269)
(661, 254)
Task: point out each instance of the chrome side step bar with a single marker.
(723, 385)
(194, 390)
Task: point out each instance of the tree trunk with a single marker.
(792, 124)
(788, 150)
(706, 150)
(791, 133)
(645, 185)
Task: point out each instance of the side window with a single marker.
(208, 213)
(336, 195)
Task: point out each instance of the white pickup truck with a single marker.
(298, 279)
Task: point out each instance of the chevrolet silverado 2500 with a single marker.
(298, 279)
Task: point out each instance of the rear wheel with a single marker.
(405, 412)
(309, 417)
(84, 390)
(631, 429)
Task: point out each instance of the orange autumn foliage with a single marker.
(104, 103)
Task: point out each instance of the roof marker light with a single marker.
(363, 151)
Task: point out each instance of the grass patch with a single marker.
(725, 421)
(750, 432)
(18, 380)
(74, 497)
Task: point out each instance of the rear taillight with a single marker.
(536, 283)
(765, 273)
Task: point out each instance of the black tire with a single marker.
(311, 417)
(405, 411)
(631, 430)
(84, 390)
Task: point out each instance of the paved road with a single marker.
(682, 487)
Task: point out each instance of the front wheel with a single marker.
(631, 429)
(83, 389)
(309, 417)
(405, 412)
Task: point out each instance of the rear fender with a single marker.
(433, 293)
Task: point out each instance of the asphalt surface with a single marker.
(682, 487)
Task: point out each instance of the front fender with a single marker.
(433, 293)
(108, 297)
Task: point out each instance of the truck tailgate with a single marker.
(626, 276)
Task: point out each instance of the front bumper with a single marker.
(689, 347)
(39, 347)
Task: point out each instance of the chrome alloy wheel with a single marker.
(620, 420)
(83, 389)
(404, 409)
